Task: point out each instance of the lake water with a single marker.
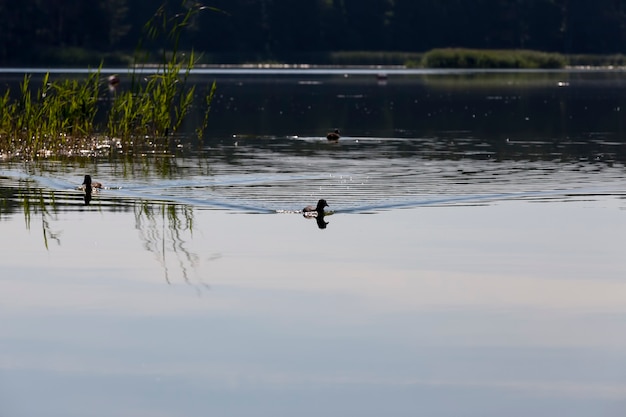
(471, 263)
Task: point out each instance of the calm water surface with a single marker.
(472, 263)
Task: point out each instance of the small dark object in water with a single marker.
(315, 211)
(91, 184)
(333, 135)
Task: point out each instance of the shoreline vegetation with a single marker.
(92, 116)
(441, 58)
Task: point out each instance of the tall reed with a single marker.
(157, 105)
(40, 121)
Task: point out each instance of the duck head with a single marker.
(320, 206)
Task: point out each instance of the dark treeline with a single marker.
(288, 30)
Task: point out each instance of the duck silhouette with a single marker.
(333, 135)
(317, 210)
(89, 184)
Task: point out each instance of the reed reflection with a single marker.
(164, 229)
(32, 202)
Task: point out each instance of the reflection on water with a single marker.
(39, 205)
(550, 107)
(470, 262)
(163, 228)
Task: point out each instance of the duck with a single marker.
(114, 82)
(333, 135)
(315, 211)
(91, 184)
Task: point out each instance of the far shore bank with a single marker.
(442, 58)
(286, 69)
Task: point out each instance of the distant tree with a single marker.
(367, 24)
(14, 18)
(592, 27)
(282, 29)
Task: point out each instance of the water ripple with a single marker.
(261, 176)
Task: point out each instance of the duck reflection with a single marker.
(321, 223)
(164, 230)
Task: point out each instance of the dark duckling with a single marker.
(315, 211)
(91, 184)
(333, 135)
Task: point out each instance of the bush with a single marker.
(488, 58)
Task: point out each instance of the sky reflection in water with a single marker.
(483, 285)
(275, 313)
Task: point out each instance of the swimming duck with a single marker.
(333, 135)
(315, 211)
(114, 82)
(91, 184)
